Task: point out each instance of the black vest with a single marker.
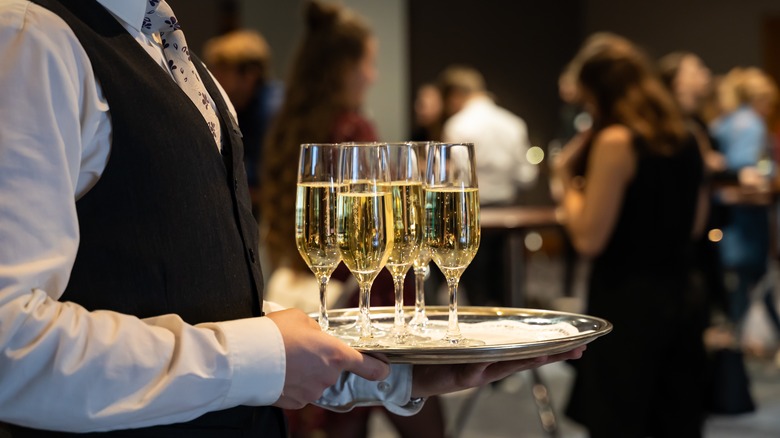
(168, 227)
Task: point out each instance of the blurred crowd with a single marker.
(664, 179)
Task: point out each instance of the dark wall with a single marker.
(519, 46)
(725, 33)
(200, 20)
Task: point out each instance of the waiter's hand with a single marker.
(315, 359)
(441, 379)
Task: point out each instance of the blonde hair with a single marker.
(742, 86)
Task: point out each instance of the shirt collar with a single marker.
(131, 12)
(480, 101)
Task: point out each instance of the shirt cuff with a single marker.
(258, 359)
(394, 393)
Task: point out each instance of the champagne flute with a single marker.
(407, 193)
(364, 227)
(421, 264)
(452, 229)
(315, 215)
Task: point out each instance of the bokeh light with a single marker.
(534, 155)
(533, 241)
(715, 235)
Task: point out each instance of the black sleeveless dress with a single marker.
(645, 378)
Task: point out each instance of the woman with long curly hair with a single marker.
(629, 196)
(330, 74)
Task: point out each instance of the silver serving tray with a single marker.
(581, 329)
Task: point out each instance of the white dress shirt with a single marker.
(65, 368)
(500, 144)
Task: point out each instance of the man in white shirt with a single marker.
(129, 291)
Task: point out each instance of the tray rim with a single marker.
(488, 353)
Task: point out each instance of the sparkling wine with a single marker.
(315, 227)
(452, 228)
(407, 225)
(365, 232)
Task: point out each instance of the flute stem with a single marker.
(399, 323)
(453, 329)
(419, 297)
(364, 318)
(324, 324)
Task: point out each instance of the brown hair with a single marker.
(627, 91)
(669, 66)
(334, 40)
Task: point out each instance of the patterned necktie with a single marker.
(159, 18)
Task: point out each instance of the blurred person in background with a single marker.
(748, 98)
(428, 114)
(241, 63)
(326, 89)
(727, 388)
(629, 196)
(500, 144)
(690, 83)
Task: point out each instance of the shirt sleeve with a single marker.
(63, 367)
(748, 140)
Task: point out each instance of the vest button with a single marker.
(235, 183)
(252, 255)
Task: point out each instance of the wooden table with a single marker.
(517, 217)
